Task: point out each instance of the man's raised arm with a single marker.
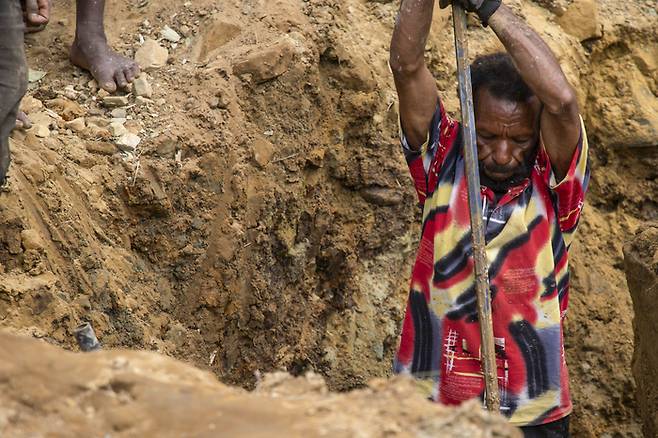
(417, 93)
(560, 122)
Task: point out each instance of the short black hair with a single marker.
(496, 73)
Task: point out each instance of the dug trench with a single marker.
(266, 219)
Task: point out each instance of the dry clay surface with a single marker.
(265, 219)
(49, 392)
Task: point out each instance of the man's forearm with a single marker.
(534, 59)
(412, 28)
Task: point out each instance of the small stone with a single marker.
(114, 101)
(263, 151)
(151, 55)
(141, 101)
(70, 92)
(128, 142)
(100, 122)
(31, 240)
(41, 130)
(30, 105)
(101, 148)
(117, 129)
(169, 34)
(95, 132)
(66, 108)
(166, 147)
(119, 113)
(184, 30)
(76, 125)
(103, 93)
(381, 196)
(142, 87)
(267, 63)
(92, 85)
(35, 75)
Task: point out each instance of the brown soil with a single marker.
(48, 392)
(267, 220)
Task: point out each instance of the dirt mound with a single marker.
(641, 257)
(46, 391)
(266, 219)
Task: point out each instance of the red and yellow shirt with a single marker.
(528, 234)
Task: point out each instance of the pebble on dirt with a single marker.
(76, 125)
(128, 142)
(151, 55)
(114, 101)
(263, 151)
(169, 34)
(142, 87)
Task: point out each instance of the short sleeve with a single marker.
(425, 162)
(570, 191)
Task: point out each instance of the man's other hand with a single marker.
(483, 8)
(36, 13)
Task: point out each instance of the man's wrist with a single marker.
(487, 10)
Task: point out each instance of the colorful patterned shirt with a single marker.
(528, 234)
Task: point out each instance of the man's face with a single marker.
(507, 136)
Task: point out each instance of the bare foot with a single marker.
(111, 70)
(22, 121)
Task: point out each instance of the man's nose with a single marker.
(502, 153)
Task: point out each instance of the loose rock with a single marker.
(117, 129)
(142, 87)
(100, 147)
(31, 240)
(128, 142)
(76, 125)
(263, 151)
(151, 55)
(114, 101)
(268, 63)
(169, 34)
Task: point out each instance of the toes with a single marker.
(120, 79)
(135, 69)
(22, 121)
(128, 73)
(105, 80)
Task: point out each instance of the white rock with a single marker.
(142, 87)
(118, 130)
(169, 34)
(76, 125)
(41, 130)
(151, 55)
(128, 142)
(119, 113)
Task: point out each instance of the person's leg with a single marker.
(555, 429)
(13, 75)
(91, 52)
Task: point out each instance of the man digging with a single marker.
(532, 153)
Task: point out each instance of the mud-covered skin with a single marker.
(13, 76)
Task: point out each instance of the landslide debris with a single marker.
(45, 391)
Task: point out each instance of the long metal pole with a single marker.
(492, 396)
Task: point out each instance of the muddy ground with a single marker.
(266, 219)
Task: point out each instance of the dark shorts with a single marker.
(555, 429)
(13, 74)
